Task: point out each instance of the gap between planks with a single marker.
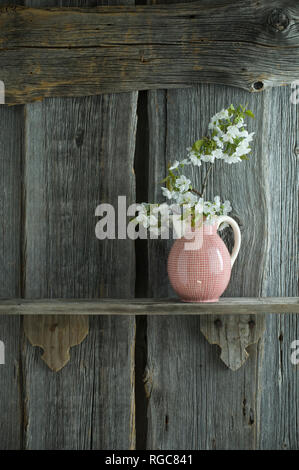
(229, 306)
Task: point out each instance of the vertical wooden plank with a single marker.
(64, 259)
(79, 153)
(11, 136)
(204, 405)
(11, 131)
(193, 401)
(279, 377)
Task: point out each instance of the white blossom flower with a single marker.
(185, 162)
(241, 123)
(153, 220)
(143, 220)
(208, 209)
(142, 208)
(218, 141)
(243, 133)
(183, 184)
(194, 159)
(232, 133)
(162, 209)
(223, 114)
(199, 206)
(187, 198)
(218, 153)
(226, 207)
(175, 209)
(167, 193)
(231, 159)
(242, 149)
(217, 203)
(174, 165)
(208, 158)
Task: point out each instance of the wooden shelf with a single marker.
(237, 305)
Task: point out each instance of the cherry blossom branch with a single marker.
(200, 194)
(195, 192)
(205, 181)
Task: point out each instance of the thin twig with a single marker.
(205, 181)
(195, 192)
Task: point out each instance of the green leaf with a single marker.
(249, 113)
(244, 157)
(198, 144)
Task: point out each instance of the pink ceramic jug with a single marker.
(199, 264)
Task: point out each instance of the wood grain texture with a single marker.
(279, 378)
(56, 335)
(11, 131)
(204, 405)
(236, 183)
(233, 336)
(229, 306)
(76, 52)
(80, 142)
(79, 153)
(63, 189)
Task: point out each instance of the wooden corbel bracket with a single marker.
(56, 334)
(233, 334)
(87, 51)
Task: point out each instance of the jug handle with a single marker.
(237, 235)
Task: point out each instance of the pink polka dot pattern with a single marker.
(199, 269)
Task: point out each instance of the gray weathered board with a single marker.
(193, 401)
(76, 154)
(76, 52)
(85, 307)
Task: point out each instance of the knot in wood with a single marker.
(258, 86)
(278, 20)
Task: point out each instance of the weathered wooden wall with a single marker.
(252, 45)
(59, 159)
(193, 400)
(56, 145)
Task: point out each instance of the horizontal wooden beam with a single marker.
(75, 52)
(228, 306)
